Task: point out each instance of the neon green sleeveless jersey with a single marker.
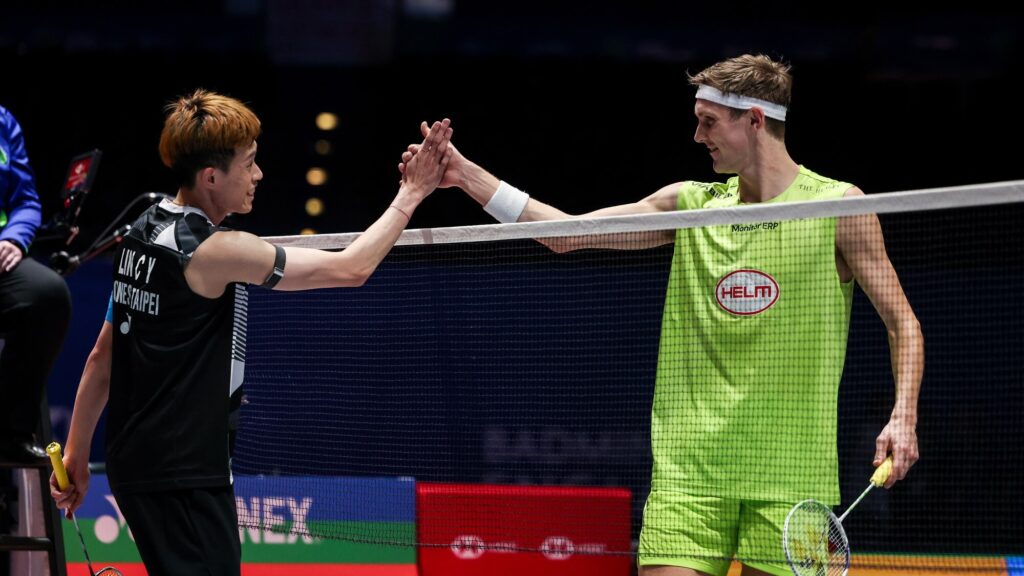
(753, 342)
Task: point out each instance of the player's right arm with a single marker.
(93, 389)
(664, 200)
(481, 185)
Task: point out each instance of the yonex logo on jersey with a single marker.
(747, 292)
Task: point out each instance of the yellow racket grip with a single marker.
(53, 449)
(882, 473)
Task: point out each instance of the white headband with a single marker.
(715, 95)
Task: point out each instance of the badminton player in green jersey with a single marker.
(753, 337)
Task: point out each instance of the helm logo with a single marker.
(747, 292)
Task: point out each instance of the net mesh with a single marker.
(484, 394)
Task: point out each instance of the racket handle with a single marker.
(58, 465)
(882, 473)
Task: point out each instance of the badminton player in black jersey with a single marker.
(170, 358)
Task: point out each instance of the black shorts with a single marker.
(185, 532)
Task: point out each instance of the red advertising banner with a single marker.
(473, 529)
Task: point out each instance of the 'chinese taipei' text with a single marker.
(136, 266)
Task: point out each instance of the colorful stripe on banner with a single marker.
(1014, 565)
(354, 549)
(137, 569)
(337, 520)
(126, 568)
(328, 570)
(269, 546)
(351, 499)
(911, 565)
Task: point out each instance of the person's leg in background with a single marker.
(35, 308)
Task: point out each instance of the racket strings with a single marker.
(815, 542)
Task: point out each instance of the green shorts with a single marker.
(705, 533)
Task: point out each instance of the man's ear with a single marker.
(207, 175)
(757, 118)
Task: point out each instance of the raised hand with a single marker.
(454, 172)
(426, 170)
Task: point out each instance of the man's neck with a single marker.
(768, 176)
(188, 197)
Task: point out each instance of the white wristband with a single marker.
(507, 203)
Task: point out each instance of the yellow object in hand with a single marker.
(53, 449)
(882, 472)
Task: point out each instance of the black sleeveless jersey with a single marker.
(178, 359)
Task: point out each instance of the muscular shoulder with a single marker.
(693, 194)
(823, 187)
(233, 249)
(229, 242)
(227, 257)
(689, 194)
(666, 198)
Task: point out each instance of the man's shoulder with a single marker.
(823, 186)
(229, 256)
(229, 246)
(694, 194)
(178, 230)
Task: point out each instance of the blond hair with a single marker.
(755, 76)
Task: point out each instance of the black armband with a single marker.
(278, 272)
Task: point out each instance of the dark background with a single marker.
(583, 104)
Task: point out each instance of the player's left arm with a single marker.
(861, 245)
